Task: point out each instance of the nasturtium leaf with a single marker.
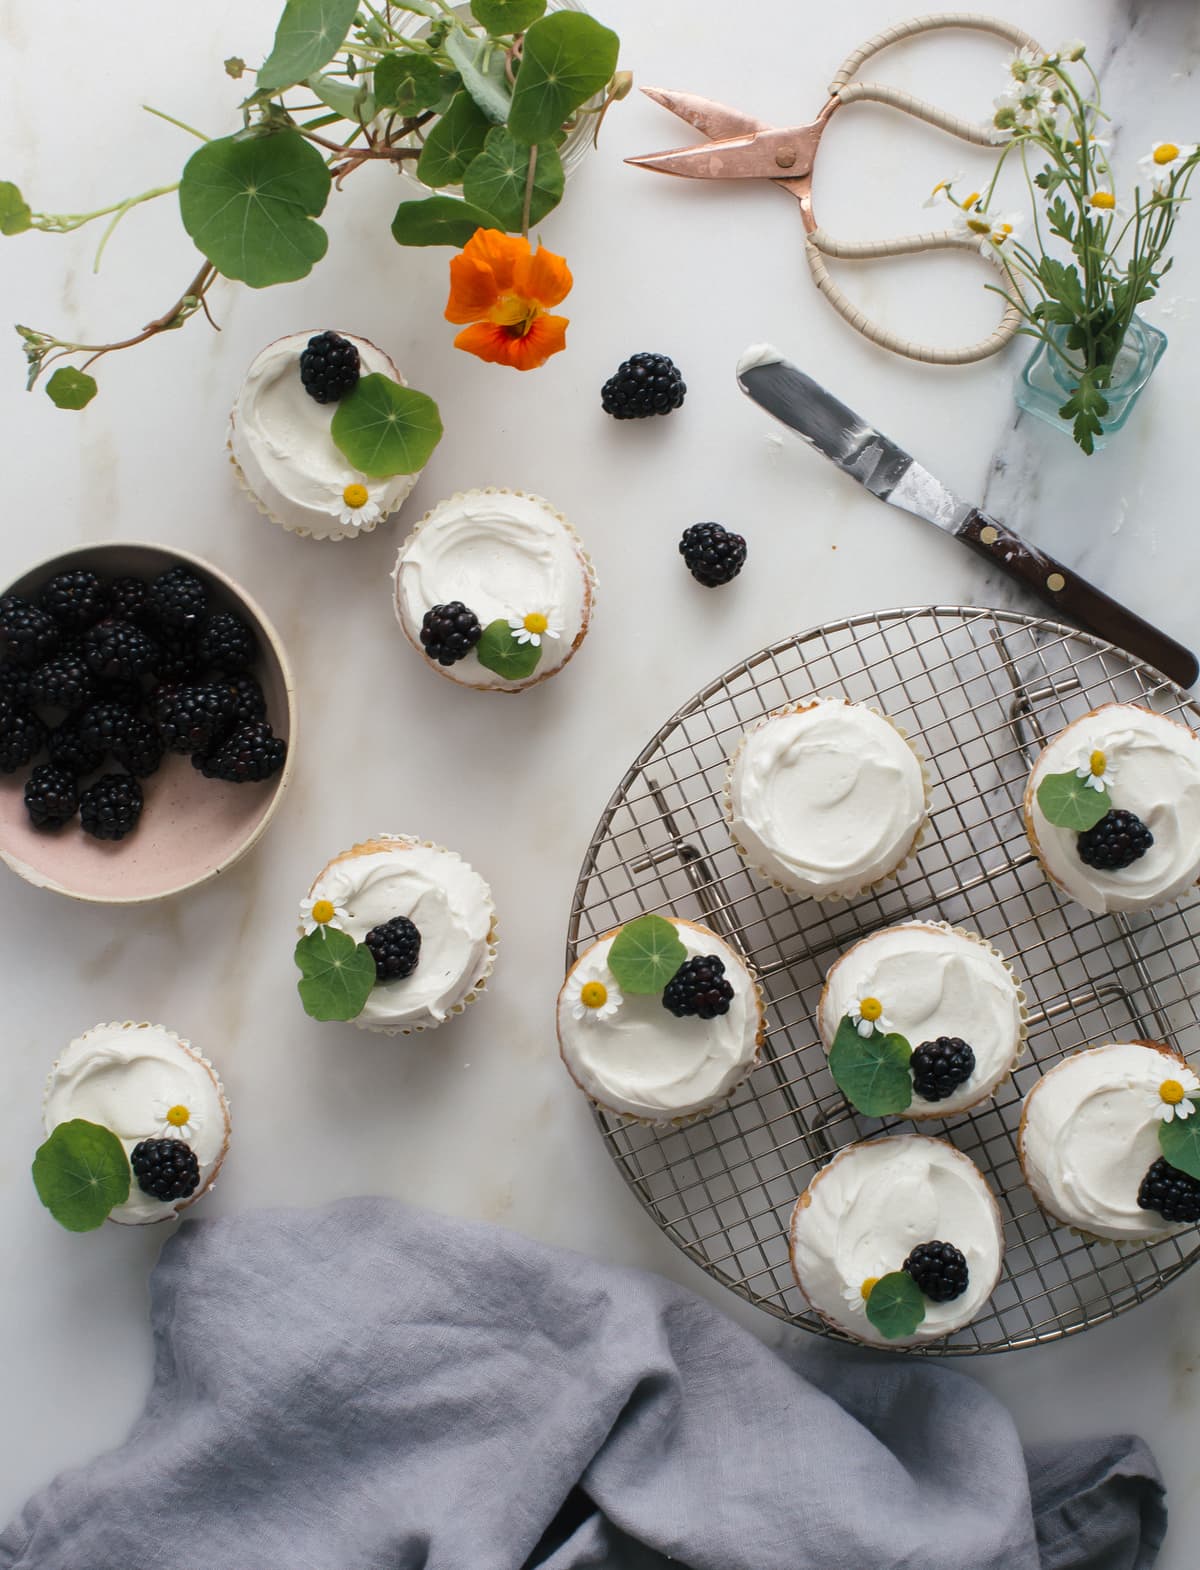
(385, 429)
(80, 1173)
(407, 83)
(565, 59)
(439, 220)
(496, 180)
(896, 1305)
(871, 1071)
(250, 206)
(309, 34)
(453, 142)
(421, 7)
(1179, 1141)
(507, 16)
(71, 389)
(499, 650)
(337, 974)
(645, 954)
(15, 216)
(481, 67)
(354, 101)
(1070, 803)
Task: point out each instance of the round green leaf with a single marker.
(499, 650)
(871, 1071)
(80, 1173)
(309, 34)
(507, 16)
(407, 83)
(482, 68)
(645, 954)
(438, 220)
(456, 138)
(337, 974)
(1070, 803)
(386, 429)
(1179, 1141)
(71, 389)
(249, 206)
(566, 58)
(354, 101)
(896, 1306)
(497, 178)
(15, 216)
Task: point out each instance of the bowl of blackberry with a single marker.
(146, 712)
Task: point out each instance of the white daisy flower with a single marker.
(1095, 769)
(594, 992)
(358, 510)
(316, 913)
(1000, 231)
(1104, 204)
(175, 1121)
(1164, 160)
(1073, 49)
(971, 219)
(867, 1017)
(1025, 64)
(534, 627)
(1173, 1097)
(941, 191)
(856, 1293)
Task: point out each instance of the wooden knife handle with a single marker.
(1077, 600)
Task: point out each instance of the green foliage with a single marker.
(896, 1306)
(497, 180)
(408, 83)
(235, 67)
(567, 57)
(1086, 408)
(80, 1173)
(1070, 803)
(69, 388)
(439, 220)
(309, 34)
(506, 16)
(337, 974)
(499, 650)
(351, 101)
(645, 954)
(871, 1071)
(481, 67)
(1179, 1141)
(454, 141)
(15, 216)
(385, 429)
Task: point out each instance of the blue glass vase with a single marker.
(1047, 379)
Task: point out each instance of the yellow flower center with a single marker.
(1105, 200)
(1171, 1091)
(870, 1008)
(868, 1287)
(515, 313)
(535, 622)
(593, 994)
(322, 912)
(177, 1116)
(1166, 153)
(1097, 764)
(972, 200)
(355, 495)
(979, 226)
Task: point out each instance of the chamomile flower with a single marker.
(533, 628)
(1000, 232)
(1024, 65)
(1172, 1098)
(1095, 770)
(1104, 204)
(971, 218)
(175, 1121)
(856, 1293)
(316, 913)
(358, 510)
(941, 191)
(594, 993)
(867, 1017)
(1164, 160)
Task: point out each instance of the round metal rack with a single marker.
(979, 691)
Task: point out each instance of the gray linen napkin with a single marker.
(369, 1387)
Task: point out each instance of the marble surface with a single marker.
(480, 1119)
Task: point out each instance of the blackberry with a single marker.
(68, 749)
(106, 728)
(939, 1067)
(939, 1269)
(129, 599)
(64, 683)
(227, 643)
(110, 808)
(130, 695)
(178, 657)
(250, 752)
(165, 1168)
(646, 384)
(699, 987)
(22, 737)
(396, 947)
(177, 600)
(1118, 840)
(140, 749)
(329, 367)
(76, 600)
(191, 719)
(51, 796)
(1174, 1194)
(118, 651)
(28, 636)
(248, 700)
(14, 685)
(450, 632)
(713, 555)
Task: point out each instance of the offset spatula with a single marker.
(888, 472)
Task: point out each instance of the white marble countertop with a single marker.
(479, 1119)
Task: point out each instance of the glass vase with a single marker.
(1048, 379)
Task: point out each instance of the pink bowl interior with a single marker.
(191, 828)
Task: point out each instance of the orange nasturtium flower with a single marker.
(504, 289)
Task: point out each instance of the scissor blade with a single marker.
(723, 160)
(713, 119)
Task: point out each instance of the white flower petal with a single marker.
(865, 1027)
(1184, 1108)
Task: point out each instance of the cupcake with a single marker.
(494, 589)
(826, 798)
(290, 455)
(663, 1038)
(1091, 1141)
(910, 1219)
(411, 928)
(950, 998)
(1112, 809)
(142, 1091)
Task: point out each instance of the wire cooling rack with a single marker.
(980, 691)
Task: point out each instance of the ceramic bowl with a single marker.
(192, 829)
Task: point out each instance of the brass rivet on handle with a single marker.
(1055, 582)
(785, 157)
(989, 534)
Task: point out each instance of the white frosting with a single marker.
(503, 555)
(826, 801)
(647, 1063)
(867, 1210)
(1089, 1135)
(281, 440)
(758, 354)
(124, 1077)
(932, 982)
(451, 907)
(1155, 767)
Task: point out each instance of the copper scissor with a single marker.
(741, 147)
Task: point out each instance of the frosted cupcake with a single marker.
(826, 798)
(303, 435)
(397, 935)
(1112, 809)
(143, 1113)
(659, 1020)
(897, 1241)
(1092, 1139)
(494, 589)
